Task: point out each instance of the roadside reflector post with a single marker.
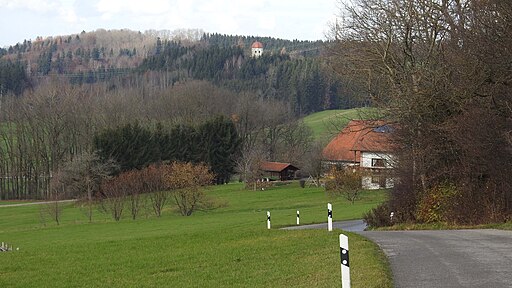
(268, 219)
(345, 263)
(298, 217)
(329, 216)
(391, 215)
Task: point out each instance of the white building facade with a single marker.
(256, 49)
(380, 165)
(364, 145)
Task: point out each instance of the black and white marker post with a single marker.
(329, 217)
(345, 263)
(298, 217)
(268, 219)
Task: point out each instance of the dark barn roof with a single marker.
(276, 166)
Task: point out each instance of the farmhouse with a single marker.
(285, 171)
(364, 145)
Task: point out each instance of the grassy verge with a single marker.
(225, 247)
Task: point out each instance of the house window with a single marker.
(379, 180)
(376, 162)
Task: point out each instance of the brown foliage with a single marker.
(187, 181)
(128, 186)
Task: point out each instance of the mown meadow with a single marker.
(325, 125)
(228, 246)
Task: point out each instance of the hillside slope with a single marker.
(326, 124)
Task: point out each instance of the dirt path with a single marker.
(36, 203)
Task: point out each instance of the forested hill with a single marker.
(291, 71)
(272, 45)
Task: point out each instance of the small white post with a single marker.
(345, 263)
(268, 219)
(298, 217)
(391, 216)
(329, 217)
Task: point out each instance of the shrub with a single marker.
(187, 181)
(437, 204)
(378, 216)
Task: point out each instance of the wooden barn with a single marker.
(284, 171)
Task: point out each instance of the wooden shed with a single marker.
(285, 171)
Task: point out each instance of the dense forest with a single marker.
(304, 82)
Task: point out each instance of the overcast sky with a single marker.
(288, 19)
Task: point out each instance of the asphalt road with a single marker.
(350, 225)
(446, 259)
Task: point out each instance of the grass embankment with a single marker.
(225, 247)
(327, 124)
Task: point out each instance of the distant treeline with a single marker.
(303, 82)
(271, 45)
(288, 70)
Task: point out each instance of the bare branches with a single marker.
(429, 64)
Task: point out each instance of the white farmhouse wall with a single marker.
(367, 183)
(390, 183)
(366, 159)
(256, 52)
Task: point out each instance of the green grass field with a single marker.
(325, 124)
(224, 247)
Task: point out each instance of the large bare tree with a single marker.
(438, 68)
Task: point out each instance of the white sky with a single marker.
(288, 19)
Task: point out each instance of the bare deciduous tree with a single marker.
(114, 196)
(430, 64)
(56, 194)
(345, 182)
(152, 178)
(312, 162)
(83, 176)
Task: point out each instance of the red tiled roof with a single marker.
(358, 136)
(275, 166)
(257, 44)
